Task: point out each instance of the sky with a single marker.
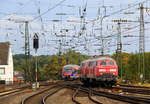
(41, 13)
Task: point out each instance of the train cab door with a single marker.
(94, 68)
(89, 69)
(86, 69)
(81, 69)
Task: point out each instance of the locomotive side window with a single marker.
(107, 63)
(110, 63)
(103, 63)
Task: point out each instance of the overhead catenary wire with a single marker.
(116, 12)
(123, 31)
(62, 1)
(126, 8)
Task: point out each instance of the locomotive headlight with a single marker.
(112, 70)
(102, 70)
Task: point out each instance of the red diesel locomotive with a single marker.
(102, 70)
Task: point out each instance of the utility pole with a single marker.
(27, 50)
(119, 45)
(101, 35)
(60, 52)
(101, 28)
(82, 14)
(141, 45)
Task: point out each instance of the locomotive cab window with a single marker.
(103, 63)
(78, 71)
(110, 63)
(67, 70)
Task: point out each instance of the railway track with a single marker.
(75, 95)
(44, 94)
(116, 96)
(143, 90)
(16, 87)
(16, 94)
(88, 91)
(121, 97)
(20, 88)
(41, 96)
(13, 91)
(50, 94)
(90, 97)
(132, 86)
(8, 96)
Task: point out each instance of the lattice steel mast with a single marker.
(27, 50)
(141, 45)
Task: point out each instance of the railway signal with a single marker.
(36, 42)
(36, 46)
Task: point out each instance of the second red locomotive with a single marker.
(102, 70)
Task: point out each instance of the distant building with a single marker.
(6, 63)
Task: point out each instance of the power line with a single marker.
(49, 10)
(116, 12)
(126, 8)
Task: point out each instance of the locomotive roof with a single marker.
(103, 58)
(99, 58)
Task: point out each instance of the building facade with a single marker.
(6, 63)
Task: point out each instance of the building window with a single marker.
(2, 70)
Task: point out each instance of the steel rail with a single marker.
(13, 91)
(50, 94)
(124, 98)
(88, 91)
(75, 95)
(134, 86)
(137, 90)
(24, 101)
(20, 87)
(90, 97)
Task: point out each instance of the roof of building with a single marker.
(4, 50)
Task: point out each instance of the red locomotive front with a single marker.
(70, 72)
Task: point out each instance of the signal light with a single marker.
(36, 41)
